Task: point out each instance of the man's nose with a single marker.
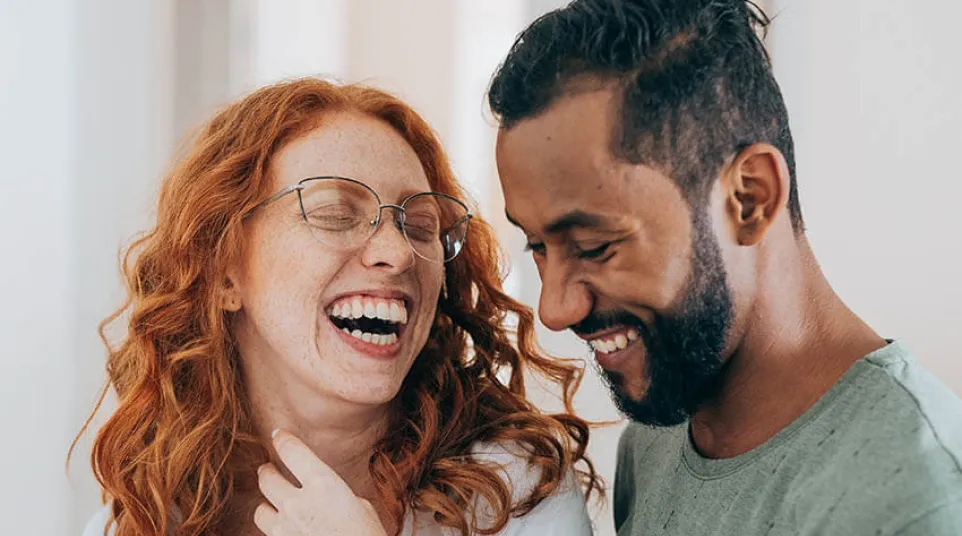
(564, 300)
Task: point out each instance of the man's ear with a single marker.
(756, 186)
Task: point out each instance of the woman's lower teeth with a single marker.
(373, 338)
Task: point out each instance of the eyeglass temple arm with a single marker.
(466, 218)
(278, 195)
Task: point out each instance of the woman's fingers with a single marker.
(306, 467)
(273, 485)
(266, 519)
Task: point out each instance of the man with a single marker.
(645, 152)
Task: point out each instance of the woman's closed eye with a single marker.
(334, 221)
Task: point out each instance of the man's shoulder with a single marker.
(924, 401)
(900, 413)
(890, 450)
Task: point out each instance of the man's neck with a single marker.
(800, 340)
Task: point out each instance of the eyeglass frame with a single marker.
(398, 210)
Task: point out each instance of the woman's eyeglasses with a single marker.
(344, 213)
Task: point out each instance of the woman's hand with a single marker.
(323, 505)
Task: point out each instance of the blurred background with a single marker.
(97, 95)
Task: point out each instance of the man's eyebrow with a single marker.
(575, 219)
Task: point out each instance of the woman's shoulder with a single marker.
(98, 522)
(514, 463)
(564, 513)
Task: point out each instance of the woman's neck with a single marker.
(340, 433)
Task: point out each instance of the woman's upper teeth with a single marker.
(356, 306)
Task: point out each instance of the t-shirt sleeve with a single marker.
(945, 520)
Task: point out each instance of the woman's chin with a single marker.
(368, 393)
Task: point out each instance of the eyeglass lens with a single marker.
(343, 214)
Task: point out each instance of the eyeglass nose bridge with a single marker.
(399, 216)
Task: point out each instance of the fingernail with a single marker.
(275, 432)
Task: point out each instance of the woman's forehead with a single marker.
(354, 146)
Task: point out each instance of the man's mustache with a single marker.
(602, 320)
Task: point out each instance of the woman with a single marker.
(313, 270)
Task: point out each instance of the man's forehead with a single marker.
(583, 119)
(543, 164)
(558, 177)
(558, 221)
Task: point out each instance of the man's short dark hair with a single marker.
(695, 79)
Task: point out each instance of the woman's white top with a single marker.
(562, 514)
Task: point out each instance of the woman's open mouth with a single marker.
(376, 324)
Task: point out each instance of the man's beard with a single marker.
(684, 349)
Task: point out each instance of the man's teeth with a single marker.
(614, 342)
(373, 338)
(393, 311)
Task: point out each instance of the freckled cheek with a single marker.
(288, 301)
(430, 280)
(290, 316)
(301, 286)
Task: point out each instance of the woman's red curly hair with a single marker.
(181, 444)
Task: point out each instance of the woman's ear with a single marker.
(230, 293)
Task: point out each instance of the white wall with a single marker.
(85, 126)
(872, 88)
(290, 38)
(36, 265)
(124, 98)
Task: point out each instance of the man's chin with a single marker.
(635, 401)
(630, 392)
(644, 412)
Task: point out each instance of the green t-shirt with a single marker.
(879, 454)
